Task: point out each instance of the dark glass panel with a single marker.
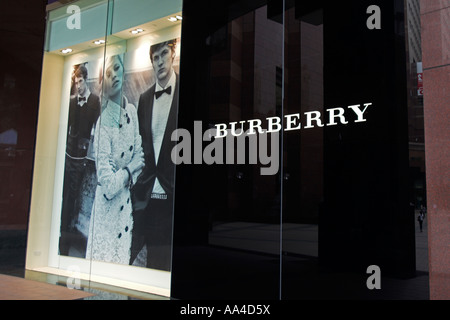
(347, 189)
(227, 231)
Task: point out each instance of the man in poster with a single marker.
(84, 109)
(152, 194)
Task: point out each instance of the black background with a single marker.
(364, 217)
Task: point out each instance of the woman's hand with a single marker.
(137, 163)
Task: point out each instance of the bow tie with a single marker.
(81, 99)
(158, 94)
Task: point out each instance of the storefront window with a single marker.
(280, 158)
(228, 212)
(339, 204)
(103, 62)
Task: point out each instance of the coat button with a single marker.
(123, 153)
(120, 235)
(131, 148)
(121, 208)
(126, 229)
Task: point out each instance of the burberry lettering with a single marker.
(247, 142)
(292, 122)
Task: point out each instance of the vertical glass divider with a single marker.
(108, 31)
(281, 139)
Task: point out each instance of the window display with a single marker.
(293, 218)
(106, 142)
(112, 197)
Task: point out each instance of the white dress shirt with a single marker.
(161, 110)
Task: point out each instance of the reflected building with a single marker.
(415, 104)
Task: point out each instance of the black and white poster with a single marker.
(117, 203)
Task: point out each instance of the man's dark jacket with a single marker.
(164, 170)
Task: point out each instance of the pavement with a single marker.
(12, 261)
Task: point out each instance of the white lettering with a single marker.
(290, 121)
(233, 128)
(221, 128)
(246, 149)
(271, 122)
(336, 113)
(208, 311)
(255, 123)
(359, 113)
(310, 119)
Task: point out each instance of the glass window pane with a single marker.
(93, 220)
(227, 218)
(63, 151)
(347, 201)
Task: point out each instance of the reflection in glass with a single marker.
(303, 150)
(229, 214)
(249, 218)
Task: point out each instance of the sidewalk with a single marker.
(15, 288)
(42, 286)
(18, 284)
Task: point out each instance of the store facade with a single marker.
(277, 166)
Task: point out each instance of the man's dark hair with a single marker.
(171, 43)
(81, 72)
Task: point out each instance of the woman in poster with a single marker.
(119, 161)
